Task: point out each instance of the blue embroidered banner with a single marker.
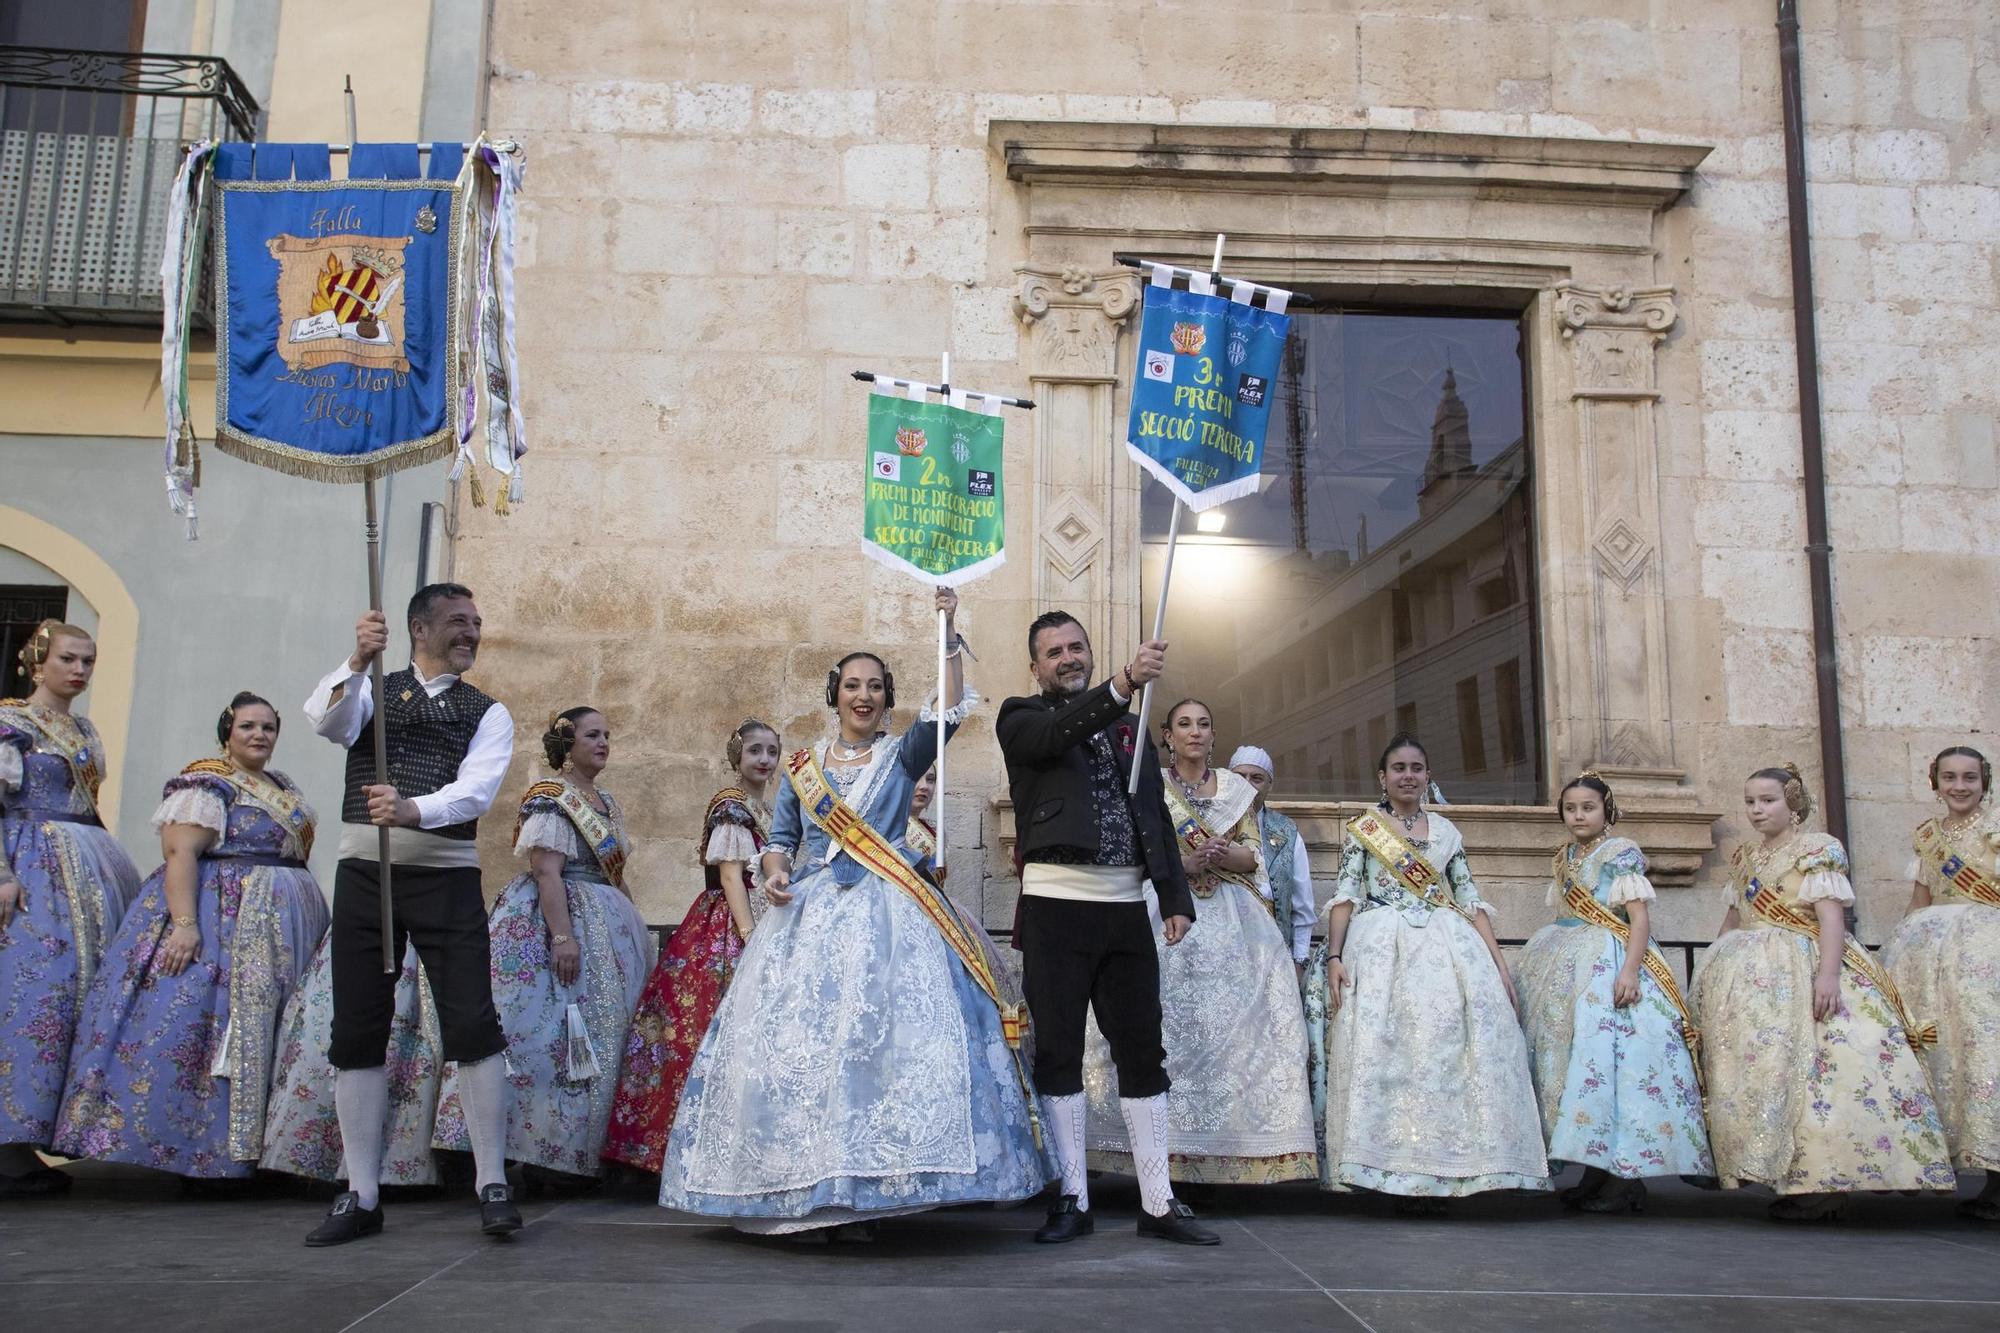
(1201, 396)
(338, 313)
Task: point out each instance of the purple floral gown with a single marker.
(172, 1071)
(75, 883)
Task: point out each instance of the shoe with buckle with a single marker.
(1066, 1222)
(497, 1214)
(347, 1220)
(1177, 1224)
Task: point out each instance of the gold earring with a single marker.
(1798, 818)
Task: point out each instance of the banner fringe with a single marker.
(300, 464)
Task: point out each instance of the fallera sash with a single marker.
(75, 750)
(1971, 881)
(1583, 905)
(820, 803)
(1405, 862)
(1770, 906)
(1193, 834)
(596, 830)
(286, 807)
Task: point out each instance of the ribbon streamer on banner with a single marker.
(180, 269)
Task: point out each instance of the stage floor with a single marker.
(125, 1250)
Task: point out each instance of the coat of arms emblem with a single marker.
(340, 299)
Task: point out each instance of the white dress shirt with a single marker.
(466, 797)
(1304, 912)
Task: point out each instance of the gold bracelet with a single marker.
(559, 939)
(186, 922)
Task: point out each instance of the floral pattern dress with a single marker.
(1428, 1091)
(1617, 1087)
(172, 1071)
(1945, 959)
(302, 1132)
(684, 991)
(564, 1042)
(1801, 1106)
(75, 883)
(1239, 1106)
(855, 1070)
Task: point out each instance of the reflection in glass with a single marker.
(1382, 578)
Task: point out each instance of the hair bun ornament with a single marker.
(1793, 769)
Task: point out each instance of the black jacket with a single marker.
(1046, 744)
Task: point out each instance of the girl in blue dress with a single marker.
(1608, 1030)
(174, 1056)
(859, 1066)
(64, 884)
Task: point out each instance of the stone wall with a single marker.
(730, 207)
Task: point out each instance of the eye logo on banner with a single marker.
(1198, 421)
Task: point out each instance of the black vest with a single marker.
(428, 739)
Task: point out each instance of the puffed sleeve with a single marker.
(1825, 870)
(1350, 884)
(1626, 869)
(197, 800)
(545, 828)
(1915, 874)
(729, 835)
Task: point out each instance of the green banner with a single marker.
(934, 506)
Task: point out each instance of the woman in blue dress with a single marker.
(570, 954)
(64, 884)
(860, 1065)
(1608, 1030)
(173, 1057)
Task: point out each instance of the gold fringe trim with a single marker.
(319, 467)
(478, 491)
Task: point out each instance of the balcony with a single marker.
(89, 144)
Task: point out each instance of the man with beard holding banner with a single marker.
(449, 746)
(1085, 934)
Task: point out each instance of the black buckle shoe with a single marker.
(1066, 1222)
(1177, 1224)
(347, 1220)
(497, 1214)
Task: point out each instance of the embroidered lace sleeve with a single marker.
(729, 842)
(1823, 884)
(200, 801)
(1825, 869)
(545, 828)
(1626, 869)
(953, 715)
(1915, 874)
(1350, 883)
(1458, 874)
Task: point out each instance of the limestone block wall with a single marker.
(730, 207)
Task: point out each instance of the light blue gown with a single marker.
(854, 1069)
(1616, 1087)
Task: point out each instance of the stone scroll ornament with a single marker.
(1201, 394)
(360, 323)
(933, 503)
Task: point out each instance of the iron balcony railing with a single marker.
(89, 144)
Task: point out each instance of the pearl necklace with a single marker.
(852, 751)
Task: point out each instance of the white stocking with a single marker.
(361, 1101)
(1066, 1118)
(482, 1093)
(1146, 1126)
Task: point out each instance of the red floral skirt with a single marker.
(673, 1015)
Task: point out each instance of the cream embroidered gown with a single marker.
(1945, 959)
(1800, 1106)
(1427, 1084)
(1239, 1109)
